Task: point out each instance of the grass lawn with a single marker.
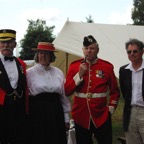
(117, 122)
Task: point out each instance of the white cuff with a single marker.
(111, 109)
(77, 79)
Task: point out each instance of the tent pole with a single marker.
(66, 62)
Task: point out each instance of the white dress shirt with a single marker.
(137, 78)
(12, 71)
(52, 80)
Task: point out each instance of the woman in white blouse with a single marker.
(48, 106)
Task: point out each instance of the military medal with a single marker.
(99, 73)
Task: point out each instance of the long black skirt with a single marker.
(46, 119)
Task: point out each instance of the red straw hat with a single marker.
(45, 46)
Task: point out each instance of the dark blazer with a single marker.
(125, 80)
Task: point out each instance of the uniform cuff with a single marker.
(111, 109)
(77, 79)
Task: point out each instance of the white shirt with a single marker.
(137, 77)
(12, 71)
(40, 80)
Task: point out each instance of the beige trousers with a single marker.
(135, 134)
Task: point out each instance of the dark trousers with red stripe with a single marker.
(102, 134)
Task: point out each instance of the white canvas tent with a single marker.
(111, 39)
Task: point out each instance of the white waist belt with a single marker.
(91, 95)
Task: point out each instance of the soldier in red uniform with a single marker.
(93, 80)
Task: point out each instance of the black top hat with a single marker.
(7, 34)
(88, 40)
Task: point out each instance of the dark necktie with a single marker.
(8, 58)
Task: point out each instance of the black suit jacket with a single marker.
(125, 80)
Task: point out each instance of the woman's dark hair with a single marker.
(52, 55)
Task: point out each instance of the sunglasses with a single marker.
(133, 51)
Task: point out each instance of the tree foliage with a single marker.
(37, 31)
(89, 19)
(138, 12)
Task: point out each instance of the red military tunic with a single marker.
(91, 92)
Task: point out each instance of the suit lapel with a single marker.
(143, 85)
(4, 81)
(128, 78)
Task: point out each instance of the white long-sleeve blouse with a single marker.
(40, 80)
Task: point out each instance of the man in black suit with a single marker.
(12, 91)
(131, 78)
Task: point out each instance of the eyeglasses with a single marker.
(133, 51)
